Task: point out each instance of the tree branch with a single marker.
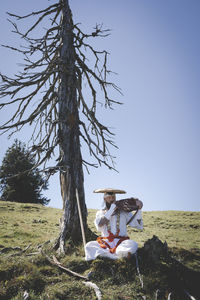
(41, 74)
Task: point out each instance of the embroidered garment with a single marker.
(114, 241)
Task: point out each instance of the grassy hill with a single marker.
(23, 269)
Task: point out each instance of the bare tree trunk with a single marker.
(60, 64)
(71, 174)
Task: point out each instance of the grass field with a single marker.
(23, 225)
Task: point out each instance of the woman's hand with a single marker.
(103, 221)
(139, 204)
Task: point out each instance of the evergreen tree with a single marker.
(17, 183)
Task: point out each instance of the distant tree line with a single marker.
(19, 180)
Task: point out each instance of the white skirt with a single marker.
(93, 249)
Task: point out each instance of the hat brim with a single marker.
(109, 190)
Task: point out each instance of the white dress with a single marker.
(115, 228)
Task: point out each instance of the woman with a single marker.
(112, 223)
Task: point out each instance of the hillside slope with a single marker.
(24, 227)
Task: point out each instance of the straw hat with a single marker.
(109, 190)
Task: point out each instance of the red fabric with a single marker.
(110, 238)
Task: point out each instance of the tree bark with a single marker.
(71, 174)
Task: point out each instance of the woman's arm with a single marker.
(137, 221)
(102, 217)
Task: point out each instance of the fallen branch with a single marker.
(55, 262)
(90, 284)
(7, 249)
(156, 295)
(190, 296)
(33, 253)
(20, 250)
(43, 244)
(169, 296)
(25, 249)
(95, 287)
(138, 270)
(25, 295)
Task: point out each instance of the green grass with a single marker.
(22, 224)
(28, 224)
(180, 229)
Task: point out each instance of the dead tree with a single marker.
(54, 70)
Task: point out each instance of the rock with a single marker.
(154, 249)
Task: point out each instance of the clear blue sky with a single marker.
(155, 49)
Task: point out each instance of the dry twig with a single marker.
(95, 287)
(37, 86)
(55, 262)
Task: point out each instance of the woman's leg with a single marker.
(93, 250)
(126, 247)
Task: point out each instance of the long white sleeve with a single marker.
(102, 214)
(137, 222)
(99, 215)
(109, 213)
